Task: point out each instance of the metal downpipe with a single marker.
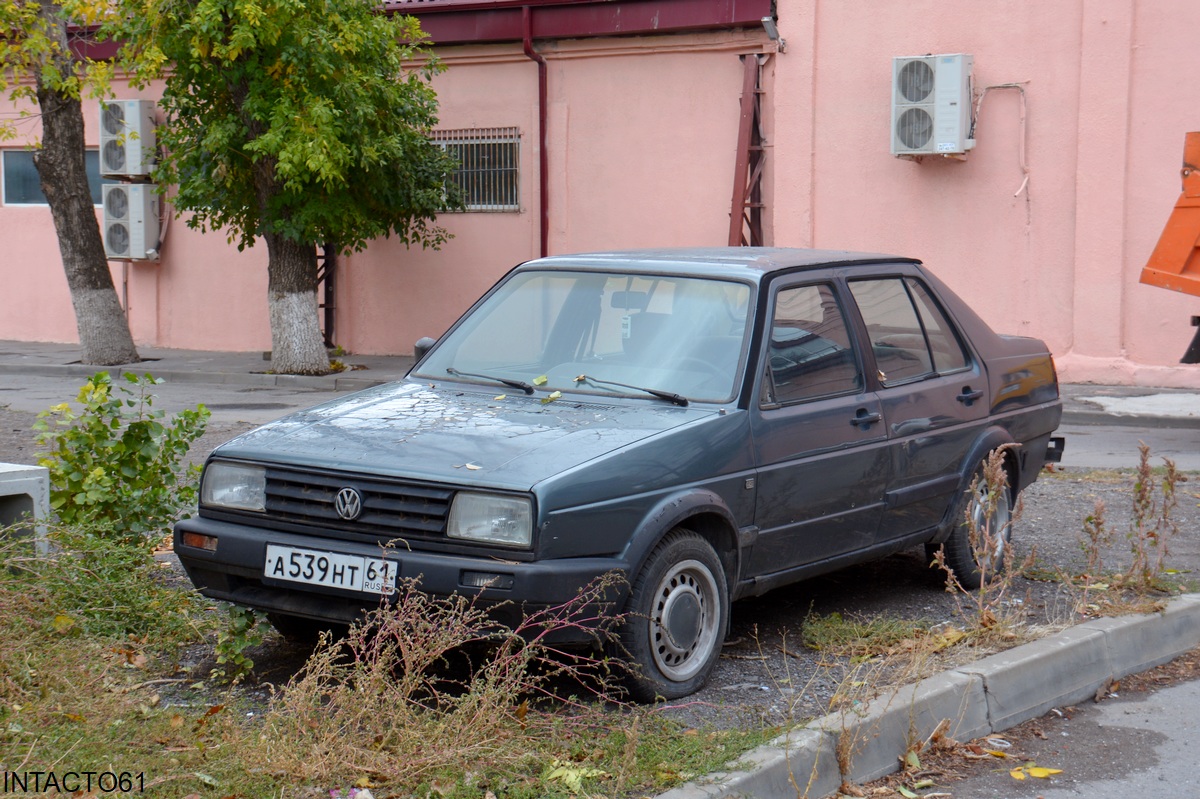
(543, 156)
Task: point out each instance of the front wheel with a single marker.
(977, 550)
(676, 619)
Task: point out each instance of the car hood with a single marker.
(455, 434)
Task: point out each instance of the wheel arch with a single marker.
(701, 511)
(988, 441)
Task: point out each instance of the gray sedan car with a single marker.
(709, 423)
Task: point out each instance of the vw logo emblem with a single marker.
(348, 504)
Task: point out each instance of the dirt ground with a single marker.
(766, 676)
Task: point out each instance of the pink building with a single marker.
(600, 125)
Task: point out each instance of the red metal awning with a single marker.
(475, 21)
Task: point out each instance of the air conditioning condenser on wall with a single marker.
(127, 140)
(932, 105)
(130, 221)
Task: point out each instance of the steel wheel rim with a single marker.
(995, 521)
(684, 619)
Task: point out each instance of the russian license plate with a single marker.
(331, 569)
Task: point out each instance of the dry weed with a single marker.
(401, 701)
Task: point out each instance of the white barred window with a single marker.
(489, 166)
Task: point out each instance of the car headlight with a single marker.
(234, 485)
(491, 518)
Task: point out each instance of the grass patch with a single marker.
(90, 639)
(859, 637)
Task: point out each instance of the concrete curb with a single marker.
(994, 694)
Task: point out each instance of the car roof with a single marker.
(744, 262)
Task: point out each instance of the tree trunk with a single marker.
(104, 336)
(297, 346)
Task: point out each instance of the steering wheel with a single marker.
(699, 364)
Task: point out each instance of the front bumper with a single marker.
(233, 572)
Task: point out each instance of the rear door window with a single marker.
(911, 337)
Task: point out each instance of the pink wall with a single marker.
(1108, 102)
(642, 140)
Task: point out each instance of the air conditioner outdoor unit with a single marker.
(130, 221)
(931, 105)
(126, 138)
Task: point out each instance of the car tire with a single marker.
(995, 516)
(299, 630)
(676, 619)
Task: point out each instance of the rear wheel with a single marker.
(676, 619)
(977, 550)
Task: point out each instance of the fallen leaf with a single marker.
(1042, 773)
(62, 623)
(499, 396)
(906, 793)
(912, 761)
(540, 380)
(1017, 774)
(551, 397)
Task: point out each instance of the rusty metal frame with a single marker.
(327, 280)
(746, 207)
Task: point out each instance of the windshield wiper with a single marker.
(508, 381)
(667, 395)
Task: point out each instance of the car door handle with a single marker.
(968, 396)
(864, 418)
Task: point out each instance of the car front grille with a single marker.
(389, 508)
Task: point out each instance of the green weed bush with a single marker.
(116, 465)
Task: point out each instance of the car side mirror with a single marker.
(423, 346)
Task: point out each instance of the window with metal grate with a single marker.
(489, 161)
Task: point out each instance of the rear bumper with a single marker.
(234, 572)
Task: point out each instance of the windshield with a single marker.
(584, 331)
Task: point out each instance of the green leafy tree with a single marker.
(37, 64)
(298, 121)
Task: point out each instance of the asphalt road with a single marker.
(1116, 446)
(1142, 743)
(229, 403)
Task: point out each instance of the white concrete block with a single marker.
(25, 496)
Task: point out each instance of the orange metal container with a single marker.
(1175, 262)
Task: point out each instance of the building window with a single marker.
(489, 166)
(21, 186)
